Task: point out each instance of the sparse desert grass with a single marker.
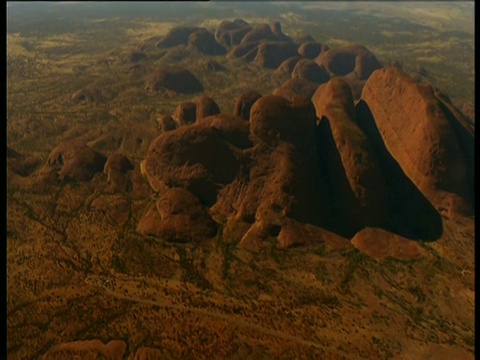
(73, 275)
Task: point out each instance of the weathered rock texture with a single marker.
(296, 87)
(205, 106)
(244, 103)
(311, 166)
(288, 65)
(342, 61)
(432, 146)
(311, 49)
(231, 33)
(311, 71)
(204, 41)
(356, 182)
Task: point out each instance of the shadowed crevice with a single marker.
(411, 214)
(466, 142)
(343, 201)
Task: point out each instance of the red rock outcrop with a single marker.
(288, 65)
(276, 28)
(244, 103)
(301, 171)
(230, 33)
(246, 51)
(381, 244)
(342, 61)
(178, 216)
(411, 215)
(233, 130)
(356, 182)
(204, 42)
(192, 157)
(296, 87)
(283, 182)
(259, 33)
(423, 137)
(76, 161)
(356, 84)
(309, 70)
(272, 53)
(205, 106)
(185, 113)
(174, 79)
(311, 49)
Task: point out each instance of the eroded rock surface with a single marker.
(424, 138)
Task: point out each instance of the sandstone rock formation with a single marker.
(308, 164)
(276, 28)
(175, 79)
(192, 157)
(356, 182)
(425, 138)
(283, 183)
(271, 54)
(309, 70)
(230, 33)
(312, 49)
(246, 51)
(204, 41)
(296, 87)
(185, 113)
(233, 129)
(288, 65)
(342, 61)
(259, 33)
(381, 244)
(244, 103)
(205, 106)
(178, 217)
(76, 161)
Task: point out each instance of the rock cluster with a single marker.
(300, 170)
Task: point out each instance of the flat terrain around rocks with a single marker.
(83, 282)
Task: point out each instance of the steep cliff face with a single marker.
(431, 145)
